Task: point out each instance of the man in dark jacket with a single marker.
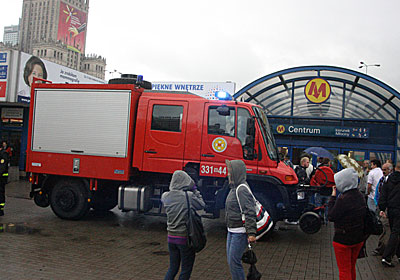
(301, 171)
(390, 199)
(4, 161)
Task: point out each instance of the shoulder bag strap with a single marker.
(237, 197)
(188, 204)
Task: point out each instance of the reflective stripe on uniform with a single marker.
(5, 174)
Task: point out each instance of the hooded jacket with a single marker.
(390, 194)
(233, 216)
(348, 211)
(175, 202)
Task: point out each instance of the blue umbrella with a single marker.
(319, 152)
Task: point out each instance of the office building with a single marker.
(56, 30)
(11, 35)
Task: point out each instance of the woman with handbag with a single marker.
(239, 233)
(175, 204)
(348, 214)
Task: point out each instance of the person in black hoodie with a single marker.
(390, 199)
(348, 214)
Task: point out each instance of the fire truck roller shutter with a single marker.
(69, 199)
(130, 79)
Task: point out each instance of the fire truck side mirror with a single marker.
(223, 110)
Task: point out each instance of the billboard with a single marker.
(206, 90)
(32, 66)
(72, 27)
(4, 63)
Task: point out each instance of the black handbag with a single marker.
(195, 230)
(249, 257)
(372, 224)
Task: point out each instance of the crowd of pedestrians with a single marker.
(379, 190)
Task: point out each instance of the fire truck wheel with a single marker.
(266, 203)
(104, 200)
(69, 199)
(41, 199)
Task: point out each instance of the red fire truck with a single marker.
(96, 146)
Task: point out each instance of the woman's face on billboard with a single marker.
(37, 72)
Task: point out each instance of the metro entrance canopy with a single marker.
(326, 93)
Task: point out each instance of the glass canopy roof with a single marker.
(339, 93)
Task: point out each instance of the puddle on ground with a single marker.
(18, 228)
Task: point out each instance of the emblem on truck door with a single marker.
(219, 144)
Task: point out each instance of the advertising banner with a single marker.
(327, 131)
(206, 90)
(32, 66)
(72, 27)
(4, 62)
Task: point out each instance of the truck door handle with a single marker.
(206, 155)
(150, 152)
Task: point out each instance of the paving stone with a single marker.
(116, 245)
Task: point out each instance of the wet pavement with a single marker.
(35, 244)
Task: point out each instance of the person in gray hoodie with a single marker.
(348, 214)
(240, 233)
(176, 208)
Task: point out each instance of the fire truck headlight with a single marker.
(223, 95)
(301, 195)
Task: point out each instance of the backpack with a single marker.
(263, 219)
(196, 236)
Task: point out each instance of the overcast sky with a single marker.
(220, 40)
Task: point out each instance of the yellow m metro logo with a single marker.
(317, 90)
(280, 129)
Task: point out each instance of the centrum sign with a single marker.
(327, 131)
(317, 90)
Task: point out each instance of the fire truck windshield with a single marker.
(266, 132)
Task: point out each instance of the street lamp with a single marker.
(363, 64)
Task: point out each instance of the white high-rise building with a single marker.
(56, 30)
(11, 35)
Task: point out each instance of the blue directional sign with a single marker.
(3, 57)
(3, 72)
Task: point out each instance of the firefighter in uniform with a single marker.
(4, 161)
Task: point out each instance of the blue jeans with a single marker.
(180, 254)
(371, 204)
(321, 200)
(236, 244)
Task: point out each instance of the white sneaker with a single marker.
(291, 222)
